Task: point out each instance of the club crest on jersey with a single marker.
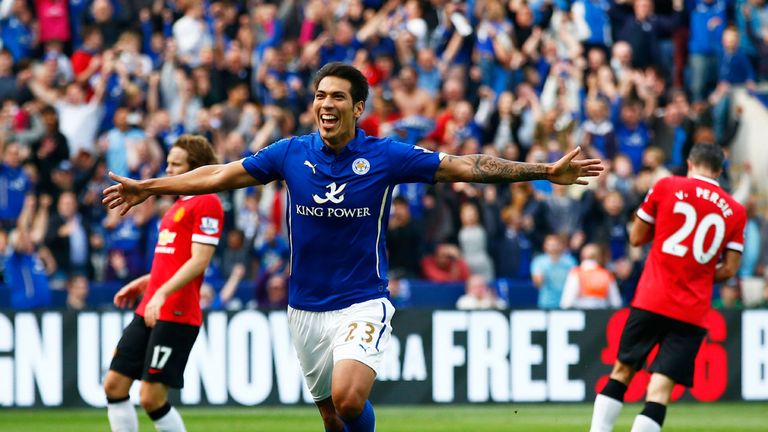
(209, 225)
(179, 214)
(361, 166)
(165, 237)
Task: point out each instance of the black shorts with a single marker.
(156, 354)
(679, 342)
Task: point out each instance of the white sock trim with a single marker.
(645, 424)
(606, 411)
(122, 417)
(170, 422)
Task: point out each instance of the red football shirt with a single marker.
(191, 219)
(694, 222)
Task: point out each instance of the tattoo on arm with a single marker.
(489, 169)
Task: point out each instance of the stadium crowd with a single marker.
(91, 86)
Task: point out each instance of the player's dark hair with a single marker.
(199, 150)
(359, 84)
(707, 155)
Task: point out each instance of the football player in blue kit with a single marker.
(340, 185)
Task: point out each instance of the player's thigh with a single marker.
(352, 382)
(641, 332)
(660, 389)
(314, 348)
(363, 331)
(128, 357)
(677, 352)
(167, 353)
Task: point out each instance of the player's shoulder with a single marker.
(211, 201)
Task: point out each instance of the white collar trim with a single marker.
(706, 179)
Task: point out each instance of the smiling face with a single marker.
(335, 112)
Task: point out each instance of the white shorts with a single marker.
(360, 332)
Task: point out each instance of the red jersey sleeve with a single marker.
(208, 220)
(650, 206)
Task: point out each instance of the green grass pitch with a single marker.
(742, 417)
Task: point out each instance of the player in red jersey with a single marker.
(698, 236)
(156, 344)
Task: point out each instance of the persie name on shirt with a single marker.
(716, 199)
(331, 212)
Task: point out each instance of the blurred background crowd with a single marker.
(89, 86)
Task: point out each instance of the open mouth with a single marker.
(328, 120)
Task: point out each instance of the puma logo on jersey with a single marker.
(334, 194)
(309, 164)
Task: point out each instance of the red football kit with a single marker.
(197, 219)
(694, 222)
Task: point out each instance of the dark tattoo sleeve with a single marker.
(489, 169)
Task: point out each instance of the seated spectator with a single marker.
(403, 240)
(514, 250)
(632, 134)
(276, 293)
(67, 238)
(550, 270)
(14, 186)
(730, 297)
(473, 240)
(235, 263)
(478, 295)
(653, 160)
(598, 137)
(446, 265)
(735, 70)
(26, 273)
(590, 285)
(77, 292)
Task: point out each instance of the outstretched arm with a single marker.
(206, 179)
(490, 169)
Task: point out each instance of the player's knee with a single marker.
(622, 372)
(348, 406)
(114, 388)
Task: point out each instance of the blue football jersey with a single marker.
(338, 212)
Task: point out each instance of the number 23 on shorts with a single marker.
(362, 331)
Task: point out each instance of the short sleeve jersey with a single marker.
(194, 219)
(338, 210)
(694, 222)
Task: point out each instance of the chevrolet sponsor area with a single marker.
(53, 359)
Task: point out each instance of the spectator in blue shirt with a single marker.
(592, 22)
(17, 31)
(632, 134)
(25, 273)
(7, 78)
(14, 186)
(707, 21)
(550, 270)
(735, 70)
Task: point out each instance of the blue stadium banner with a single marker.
(59, 359)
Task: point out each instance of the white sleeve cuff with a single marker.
(642, 214)
(738, 247)
(199, 238)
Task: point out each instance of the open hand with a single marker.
(152, 311)
(568, 171)
(125, 194)
(126, 297)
